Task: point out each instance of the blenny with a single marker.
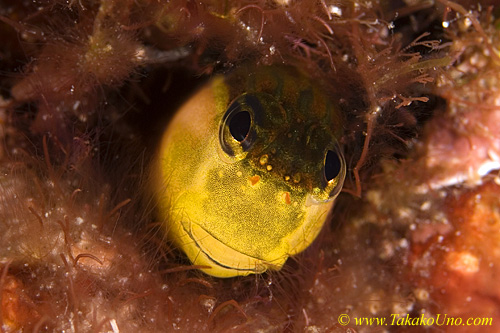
(248, 170)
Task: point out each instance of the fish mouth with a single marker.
(224, 261)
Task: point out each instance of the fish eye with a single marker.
(237, 132)
(333, 165)
(239, 125)
(333, 173)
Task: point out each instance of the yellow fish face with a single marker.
(249, 169)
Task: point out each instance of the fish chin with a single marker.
(218, 259)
